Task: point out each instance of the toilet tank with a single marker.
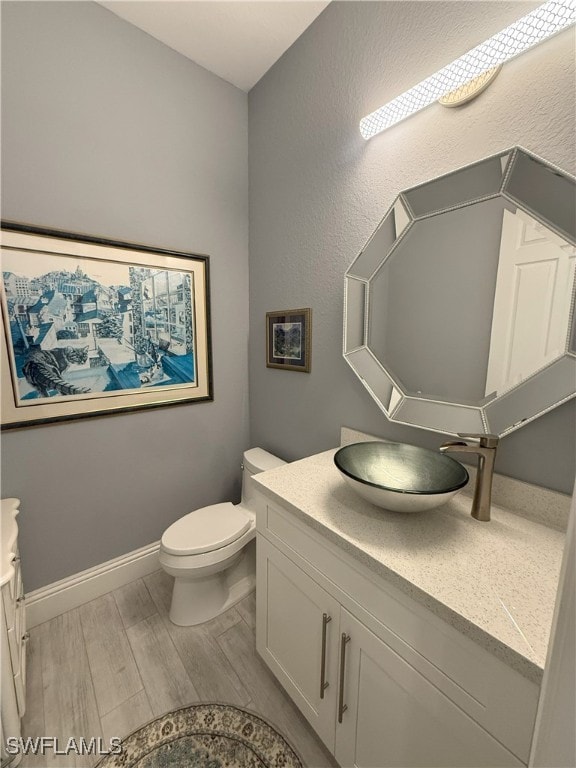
(256, 460)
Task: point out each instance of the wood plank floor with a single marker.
(113, 664)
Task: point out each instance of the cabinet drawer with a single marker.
(9, 607)
(18, 586)
(15, 583)
(11, 592)
(16, 633)
(493, 694)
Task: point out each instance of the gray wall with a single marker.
(446, 266)
(105, 131)
(317, 192)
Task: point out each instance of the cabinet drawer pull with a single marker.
(323, 683)
(341, 706)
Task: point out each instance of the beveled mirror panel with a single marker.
(459, 312)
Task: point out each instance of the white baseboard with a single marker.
(48, 602)
(239, 590)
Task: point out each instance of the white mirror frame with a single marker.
(539, 393)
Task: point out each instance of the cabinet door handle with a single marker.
(323, 683)
(341, 706)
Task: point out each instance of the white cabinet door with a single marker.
(296, 627)
(395, 718)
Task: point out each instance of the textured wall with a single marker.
(108, 132)
(317, 191)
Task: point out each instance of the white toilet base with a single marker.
(194, 602)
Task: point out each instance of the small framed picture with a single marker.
(288, 339)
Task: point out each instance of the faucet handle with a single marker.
(485, 441)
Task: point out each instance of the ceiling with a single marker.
(237, 40)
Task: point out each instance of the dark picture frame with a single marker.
(289, 339)
(94, 327)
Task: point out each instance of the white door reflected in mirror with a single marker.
(532, 301)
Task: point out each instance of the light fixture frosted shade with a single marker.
(543, 22)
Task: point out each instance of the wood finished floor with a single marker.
(113, 664)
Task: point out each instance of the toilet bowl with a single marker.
(203, 551)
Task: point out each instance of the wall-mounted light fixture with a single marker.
(477, 68)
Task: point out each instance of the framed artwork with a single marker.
(288, 339)
(93, 327)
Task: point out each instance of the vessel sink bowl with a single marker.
(400, 477)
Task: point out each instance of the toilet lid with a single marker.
(205, 529)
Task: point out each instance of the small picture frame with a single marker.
(288, 339)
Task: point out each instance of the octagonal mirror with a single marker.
(459, 312)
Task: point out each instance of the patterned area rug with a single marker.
(205, 736)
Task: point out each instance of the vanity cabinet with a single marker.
(395, 717)
(384, 682)
(13, 635)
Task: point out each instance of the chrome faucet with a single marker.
(485, 446)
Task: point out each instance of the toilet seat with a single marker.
(206, 529)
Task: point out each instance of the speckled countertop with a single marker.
(494, 582)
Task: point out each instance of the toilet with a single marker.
(208, 551)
